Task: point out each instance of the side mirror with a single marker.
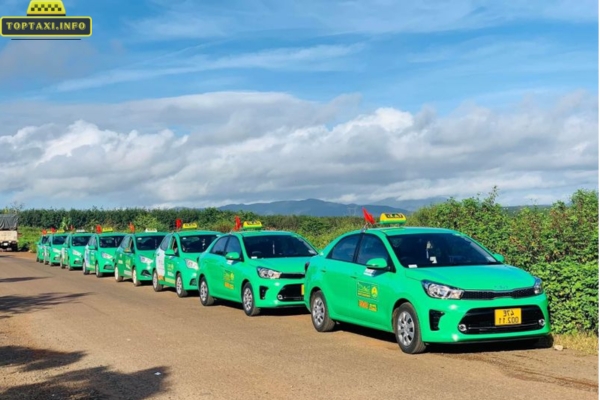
(499, 257)
(377, 263)
(234, 256)
(169, 252)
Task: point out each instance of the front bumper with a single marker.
(105, 265)
(143, 271)
(452, 321)
(75, 262)
(279, 293)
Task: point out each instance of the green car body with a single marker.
(135, 256)
(176, 260)
(41, 248)
(99, 253)
(426, 285)
(260, 269)
(74, 249)
(53, 248)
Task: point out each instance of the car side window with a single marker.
(233, 246)
(92, 241)
(165, 243)
(219, 247)
(372, 247)
(174, 245)
(344, 249)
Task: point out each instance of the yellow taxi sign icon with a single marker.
(190, 225)
(392, 219)
(251, 225)
(107, 230)
(46, 20)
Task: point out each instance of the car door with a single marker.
(338, 272)
(233, 271)
(122, 257)
(64, 254)
(213, 264)
(160, 257)
(373, 293)
(88, 251)
(171, 262)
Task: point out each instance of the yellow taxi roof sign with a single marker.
(190, 225)
(392, 219)
(151, 230)
(252, 225)
(60, 231)
(107, 230)
(43, 8)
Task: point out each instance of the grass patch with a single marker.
(583, 342)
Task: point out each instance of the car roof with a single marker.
(143, 234)
(197, 232)
(412, 230)
(111, 234)
(263, 233)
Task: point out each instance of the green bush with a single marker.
(572, 291)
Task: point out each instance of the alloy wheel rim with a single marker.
(203, 291)
(134, 273)
(179, 284)
(248, 299)
(116, 274)
(155, 280)
(406, 328)
(318, 311)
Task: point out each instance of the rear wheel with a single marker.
(155, 284)
(118, 277)
(205, 298)
(320, 314)
(179, 289)
(248, 301)
(407, 329)
(134, 278)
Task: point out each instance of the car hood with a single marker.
(110, 251)
(80, 249)
(145, 253)
(291, 265)
(481, 277)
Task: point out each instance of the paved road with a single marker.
(66, 335)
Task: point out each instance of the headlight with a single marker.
(145, 260)
(268, 273)
(538, 288)
(76, 253)
(438, 291)
(107, 256)
(191, 264)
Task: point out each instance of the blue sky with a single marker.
(443, 55)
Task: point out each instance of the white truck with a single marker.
(9, 237)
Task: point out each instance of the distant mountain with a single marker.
(313, 207)
(412, 205)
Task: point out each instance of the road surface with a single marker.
(64, 335)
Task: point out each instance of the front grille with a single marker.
(493, 294)
(290, 293)
(481, 320)
(291, 276)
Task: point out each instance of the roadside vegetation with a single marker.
(557, 243)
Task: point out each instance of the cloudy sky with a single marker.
(204, 103)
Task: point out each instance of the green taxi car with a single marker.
(53, 248)
(100, 252)
(176, 259)
(426, 285)
(74, 249)
(135, 256)
(41, 248)
(260, 269)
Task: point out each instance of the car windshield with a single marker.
(80, 240)
(438, 250)
(277, 246)
(59, 239)
(44, 239)
(110, 242)
(196, 243)
(144, 243)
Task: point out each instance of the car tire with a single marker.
(319, 314)
(98, 273)
(69, 267)
(134, 279)
(155, 284)
(408, 330)
(61, 264)
(118, 277)
(248, 303)
(84, 268)
(205, 298)
(179, 289)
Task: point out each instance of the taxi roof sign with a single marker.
(60, 231)
(151, 230)
(392, 219)
(251, 225)
(80, 230)
(190, 225)
(39, 8)
(107, 230)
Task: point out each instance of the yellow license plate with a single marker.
(507, 316)
(302, 290)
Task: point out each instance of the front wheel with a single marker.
(118, 277)
(205, 298)
(407, 330)
(320, 314)
(155, 284)
(134, 278)
(84, 268)
(98, 273)
(248, 301)
(179, 289)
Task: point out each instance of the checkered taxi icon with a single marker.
(46, 8)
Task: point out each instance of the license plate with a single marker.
(302, 290)
(507, 316)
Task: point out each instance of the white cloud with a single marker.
(269, 146)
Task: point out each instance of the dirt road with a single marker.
(66, 335)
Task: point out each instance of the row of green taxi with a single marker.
(426, 285)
